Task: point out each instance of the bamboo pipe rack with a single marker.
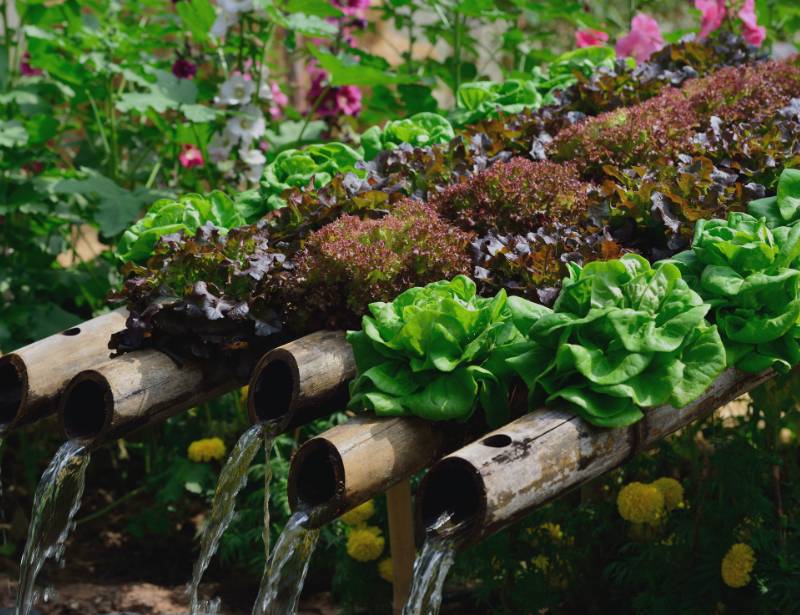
(136, 390)
(302, 380)
(500, 478)
(32, 378)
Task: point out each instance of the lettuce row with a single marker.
(743, 269)
(423, 353)
(167, 216)
(417, 130)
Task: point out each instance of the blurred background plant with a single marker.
(107, 107)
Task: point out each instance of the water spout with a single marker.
(431, 568)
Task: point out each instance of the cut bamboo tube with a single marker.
(492, 482)
(302, 380)
(401, 542)
(353, 462)
(33, 377)
(136, 390)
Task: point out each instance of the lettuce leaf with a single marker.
(426, 352)
(418, 130)
(167, 216)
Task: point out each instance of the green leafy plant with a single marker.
(622, 335)
(744, 271)
(423, 353)
(298, 167)
(418, 130)
(783, 208)
(187, 214)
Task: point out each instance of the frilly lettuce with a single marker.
(743, 269)
(418, 130)
(423, 353)
(166, 216)
(622, 335)
(294, 168)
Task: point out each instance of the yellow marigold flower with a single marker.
(385, 570)
(365, 544)
(206, 450)
(737, 565)
(640, 503)
(553, 530)
(360, 514)
(672, 491)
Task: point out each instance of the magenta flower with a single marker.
(713, 14)
(342, 100)
(751, 31)
(589, 38)
(353, 8)
(25, 67)
(184, 69)
(279, 101)
(191, 156)
(643, 40)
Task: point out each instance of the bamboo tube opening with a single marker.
(87, 407)
(317, 477)
(452, 487)
(275, 389)
(13, 388)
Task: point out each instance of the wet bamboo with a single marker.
(135, 390)
(353, 462)
(302, 380)
(33, 377)
(503, 476)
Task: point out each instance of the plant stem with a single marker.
(456, 52)
(311, 113)
(106, 509)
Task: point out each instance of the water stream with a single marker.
(232, 479)
(430, 570)
(57, 499)
(286, 569)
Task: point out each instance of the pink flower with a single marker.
(643, 40)
(26, 69)
(751, 31)
(354, 8)
(279, 101)
(589, 38)
(184, 69)
(342, 100)
(191, 157)
(713, 15)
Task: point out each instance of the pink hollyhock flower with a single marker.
(589, 38)
(342, 100)
(751, 31)
(25, 67)
(279, 101)
(184, 69)
(191, 157)
(713, 15)
(353, 8)
(643, 40)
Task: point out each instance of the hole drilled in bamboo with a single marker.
(12, 389)
(497, 441)
(86, 409)
(71, 332)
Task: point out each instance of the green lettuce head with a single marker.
(477, 100)
(166, 216)
(418, 130)
(622, 335)
(294, 168)
(424, 353)
(744, 270)
(783, 208)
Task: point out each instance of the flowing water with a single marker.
(286, 569)
(231, 480)
(57, 499)
(430, 570)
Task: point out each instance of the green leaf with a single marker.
(199, 114)
(12, 134)
(198, 16)
(347, 72)
(320, 8)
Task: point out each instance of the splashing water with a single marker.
(232, 479)
(286, 569)
(57, 499)
(430, 570)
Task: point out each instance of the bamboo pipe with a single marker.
(302, 380)
(500, 478)
(136, 390)
(33, 377)
(350, 463)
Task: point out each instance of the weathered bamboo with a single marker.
(33, 377)
(492, 482)
(302, 380)
(136, 390)
(351, 463)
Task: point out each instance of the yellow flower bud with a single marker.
(640, 503)
(206, 449)
(737, 565)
